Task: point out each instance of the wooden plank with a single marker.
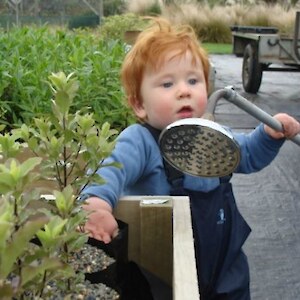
(185, 283)
(156, 236)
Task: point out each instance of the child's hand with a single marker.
(101, 223)
(291, 127)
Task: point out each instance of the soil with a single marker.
(270, 199)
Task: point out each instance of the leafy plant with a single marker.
(64, 147)
(29, 54)
(21, 262)
(115, 26)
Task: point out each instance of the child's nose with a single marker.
(183, 90)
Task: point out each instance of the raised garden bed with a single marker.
(161, 240)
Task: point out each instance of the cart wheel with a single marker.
(252, 70)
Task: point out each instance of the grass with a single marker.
(217, 48)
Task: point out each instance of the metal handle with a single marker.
(232, 96)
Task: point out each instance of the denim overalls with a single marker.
(219, 234)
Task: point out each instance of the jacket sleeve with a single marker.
(258, 150)
(132, 153)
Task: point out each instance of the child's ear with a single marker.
(139, 109)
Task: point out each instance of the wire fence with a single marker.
(7, 20)
(75, 13)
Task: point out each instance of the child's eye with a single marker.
(167, 84)
(193, 81)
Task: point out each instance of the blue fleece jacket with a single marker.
(143, 170)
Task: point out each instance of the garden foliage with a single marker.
(29, 54)
(38, 236)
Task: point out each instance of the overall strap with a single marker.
(174, 176)
(155, 132)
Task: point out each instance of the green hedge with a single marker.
(29, 55)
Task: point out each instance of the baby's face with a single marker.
(175, 91)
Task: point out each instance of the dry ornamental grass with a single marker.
(212, 22)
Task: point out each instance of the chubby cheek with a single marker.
(163, 110)
(160, 116)
(202, 104)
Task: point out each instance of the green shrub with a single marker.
(28, 55)
(38, 238)
(115, 26)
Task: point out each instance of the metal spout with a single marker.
(229, 94)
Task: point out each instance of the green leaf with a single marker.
(86, 122)
(64, 200)
(105, 129)
(7, 182)
(55, 147)
(72, 87)
(29, 164)
(23, 132)
(62, 101)
(6, 210)
(64, 90)
(76, 241)
(50, 235)
(58, 80)
(5, 231)
(18, 245)
(32, 143)
(9, 147)
(17, 173)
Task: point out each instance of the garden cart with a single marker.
(263, 49)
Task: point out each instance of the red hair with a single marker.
(150, 50)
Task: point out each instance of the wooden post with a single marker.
(128, 211)
(156, 236)
(161, 240)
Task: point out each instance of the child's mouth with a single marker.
(185, 112)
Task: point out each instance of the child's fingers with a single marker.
(105, 237)
(290, 129)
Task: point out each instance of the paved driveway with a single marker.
(270, 199)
